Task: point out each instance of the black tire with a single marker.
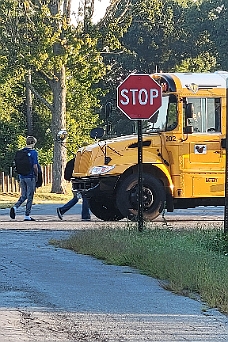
(105, 209)
(153, 197)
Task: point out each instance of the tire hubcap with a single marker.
(148, 198)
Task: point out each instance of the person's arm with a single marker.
(35, 168)
(35, 163)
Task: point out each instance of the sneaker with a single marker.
(12, 213)
(29, 219)
(59, 213)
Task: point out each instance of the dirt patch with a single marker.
(18, 326)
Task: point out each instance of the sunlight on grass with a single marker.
(189, 261)
(42, 195)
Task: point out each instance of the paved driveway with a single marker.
(52, 294)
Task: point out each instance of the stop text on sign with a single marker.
(138, 96)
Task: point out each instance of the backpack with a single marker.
(69, 169)
(39, 181)
(22, 162)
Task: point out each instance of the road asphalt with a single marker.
(120, 298)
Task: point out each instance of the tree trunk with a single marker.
(28, 80)
(58, 123)
(58, 85)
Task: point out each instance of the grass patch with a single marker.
(42, 195)
(188, 261)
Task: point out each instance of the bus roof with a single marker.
(201, 80)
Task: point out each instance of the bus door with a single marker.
(203, 161)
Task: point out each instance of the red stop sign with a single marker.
(139, 97)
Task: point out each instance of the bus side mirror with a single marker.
(188, 130)
(97, 132)
(189, 110)
(61, 135)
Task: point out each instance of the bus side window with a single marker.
(206, 116)
(213, 116)
(171, 118)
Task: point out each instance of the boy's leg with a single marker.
(23, 186)
(68, 205)
(85, 208)
(23, 197)
(31, 186)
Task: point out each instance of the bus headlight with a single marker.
(99, 170)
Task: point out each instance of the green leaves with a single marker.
(163, 35)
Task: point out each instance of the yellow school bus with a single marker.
(183, 154)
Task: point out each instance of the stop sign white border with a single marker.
(140, 91)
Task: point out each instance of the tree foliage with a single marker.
(91, 60)
(157, 35)
(37, 36)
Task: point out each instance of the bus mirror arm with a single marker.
(187, 130)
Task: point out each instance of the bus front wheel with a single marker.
(105, 209)
(153, 194)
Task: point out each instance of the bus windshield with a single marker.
(165, 119)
